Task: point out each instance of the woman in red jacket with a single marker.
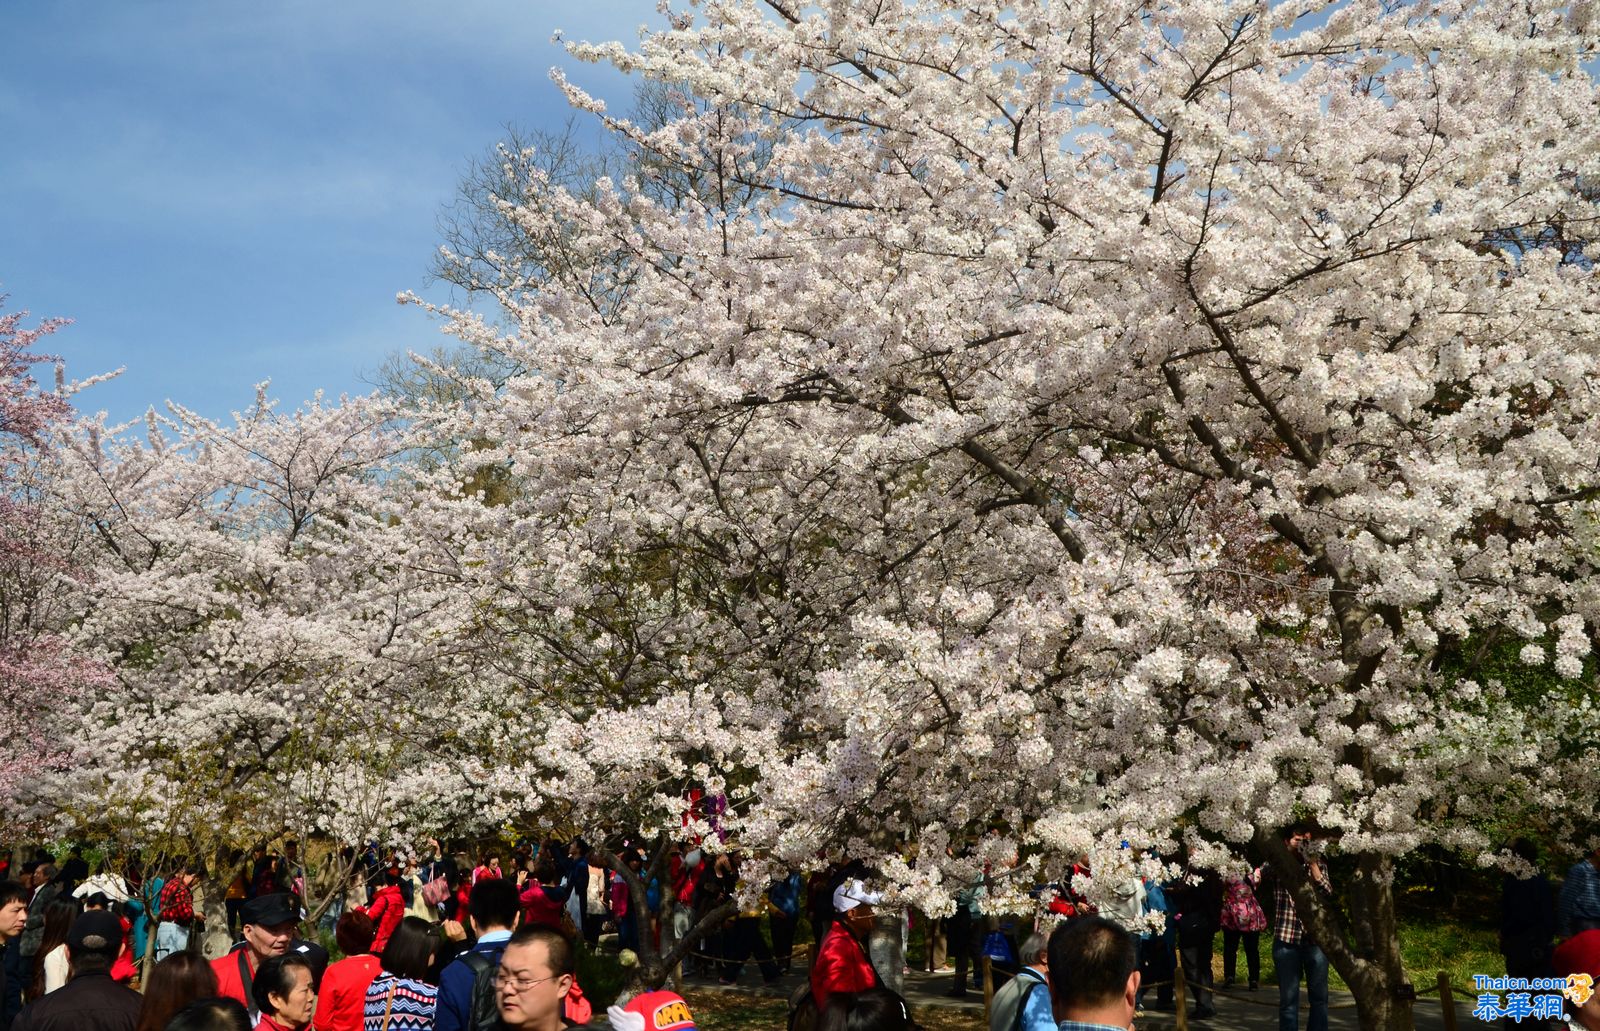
(387, 907)
(543, 902)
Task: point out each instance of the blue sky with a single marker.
(221, 192)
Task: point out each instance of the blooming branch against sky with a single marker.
(224, 192)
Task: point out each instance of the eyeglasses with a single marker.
(519, 984)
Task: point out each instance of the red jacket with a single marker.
(387, 909)
(620, 896)
(539, 908)
(124, 968)
(684, 878)
(226, 967)
(344, 993)
(841, 966)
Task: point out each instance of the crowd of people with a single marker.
(479, 945)
(470, 949)
(1545, 933)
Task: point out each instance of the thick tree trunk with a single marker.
(1366, 949)
(886, 949)
(213, 906)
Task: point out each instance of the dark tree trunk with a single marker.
(1365, 950)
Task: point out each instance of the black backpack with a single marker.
(482, 1015)
(802, 1008)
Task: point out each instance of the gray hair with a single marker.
(1034, 946)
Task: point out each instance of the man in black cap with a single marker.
(270, 925)
(91, 1001)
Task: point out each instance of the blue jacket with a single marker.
(1155, 901)
(785, 895)
(454, 1010)
(1034, 1014)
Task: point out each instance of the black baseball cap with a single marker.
(270, 910)
(98, 930)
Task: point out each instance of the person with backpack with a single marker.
(466, 986)
(1023, 1003)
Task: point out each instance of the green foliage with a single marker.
(1485, 660)
(601, 976)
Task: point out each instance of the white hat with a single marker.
(851, 894)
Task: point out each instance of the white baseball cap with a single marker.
(851, 894)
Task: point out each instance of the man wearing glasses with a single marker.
(535, 975)
(492, 910)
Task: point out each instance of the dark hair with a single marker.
(91, 961)
(276, 977)
(58, 916)
(13, 891)
(411, 947)
(354, 933)
(494, 903)
(562, 959)
(1090, 962)
(546, 870)
(876, 1009)
(1525, 850)
(215, 1014)
(174, 983)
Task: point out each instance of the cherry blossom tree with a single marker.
(281, 650)
(1100, 421)
(37, 553)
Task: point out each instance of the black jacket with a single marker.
(1199, 908)
(88, 1002)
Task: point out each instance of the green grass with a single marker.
(1431, 940)
(1459, 949)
